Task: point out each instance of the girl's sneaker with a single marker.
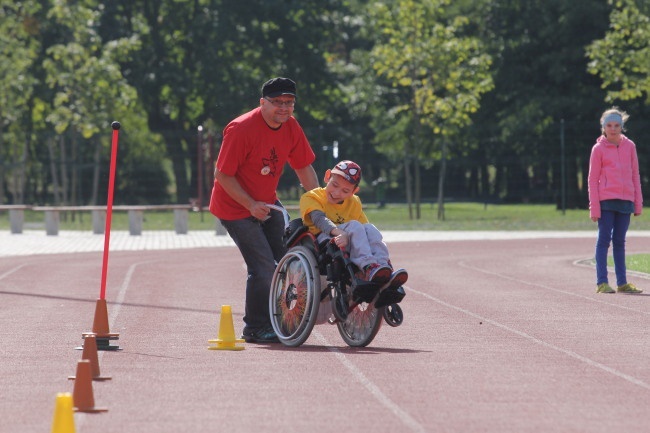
(604, 288)
(628, 288)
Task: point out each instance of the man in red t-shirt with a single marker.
(254, 150)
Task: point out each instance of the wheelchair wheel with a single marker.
(295, 296)
(361, 325)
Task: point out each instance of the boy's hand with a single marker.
(342, 240)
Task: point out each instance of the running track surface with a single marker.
(499, 336)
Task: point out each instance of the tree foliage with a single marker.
(622, 58)
(475, 92)
(18, 52)
(440, 72)
(84, 71)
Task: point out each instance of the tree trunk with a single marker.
(180, 172)
(441, 182)
(574, 198)
(174, 145)
(407, 179)
(22, 174)
(98, 147)
(64, 173)
(56, 189)
(74, 171)
(418, 189)
(2, 171)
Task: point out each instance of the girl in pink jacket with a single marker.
(614, 194)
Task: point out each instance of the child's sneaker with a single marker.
(377, 274)
(393, 293)
(398, 278)
(628, 288)
(604, 288)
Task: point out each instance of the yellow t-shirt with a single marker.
(350, 210)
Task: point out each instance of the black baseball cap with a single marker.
(278, 86)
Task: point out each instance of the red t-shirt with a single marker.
(255, 155)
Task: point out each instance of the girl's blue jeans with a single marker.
(612, 227)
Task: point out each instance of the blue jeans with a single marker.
(612, 227)
(261, 246)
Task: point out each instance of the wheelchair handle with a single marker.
(284, 213)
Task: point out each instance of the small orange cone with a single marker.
(226, 337)
(100, 328)
(84, 400)
(90, 353)
(63, 414)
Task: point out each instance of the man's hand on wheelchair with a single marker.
(260, 210)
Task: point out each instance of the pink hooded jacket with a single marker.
(614, 174)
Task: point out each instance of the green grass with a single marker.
(476, 216)
(458, 216)
(635, 262)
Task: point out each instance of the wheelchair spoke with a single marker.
(361, 325)
(293, 297)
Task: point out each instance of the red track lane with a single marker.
(499, 336)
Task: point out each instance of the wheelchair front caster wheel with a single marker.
(393, 315)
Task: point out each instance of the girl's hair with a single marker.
(614, 110)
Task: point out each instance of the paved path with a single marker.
(32, 242)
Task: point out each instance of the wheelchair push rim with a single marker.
(295, 296)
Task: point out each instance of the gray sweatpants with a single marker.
(366, 244)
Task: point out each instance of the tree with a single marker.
(439, 74)
(205, 60)
(540, 78)
(18, 51)
(622, 58)
(90, 88)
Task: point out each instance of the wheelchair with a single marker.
(315, 283)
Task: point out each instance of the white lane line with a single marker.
(11, 271)
(123, 289)
(553, 289)
(115, 311)
(536, 340)
(374, 390)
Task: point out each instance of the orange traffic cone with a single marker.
(100, 328)
(226, 336)
(63, 414)
(84, 400)
(90, 353)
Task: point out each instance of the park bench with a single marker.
(52, 216)
(16, 216)
(135, 213)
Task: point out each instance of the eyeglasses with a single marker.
(281, 104)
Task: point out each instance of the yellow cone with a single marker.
(63, 414)
(226, 336)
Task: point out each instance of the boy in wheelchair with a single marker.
(335, 213)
